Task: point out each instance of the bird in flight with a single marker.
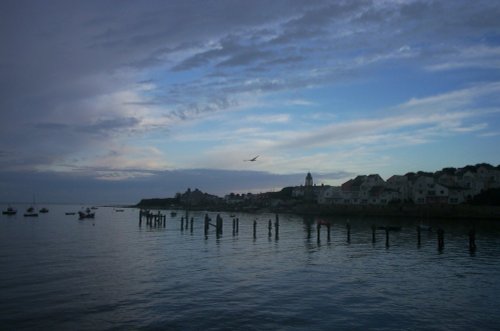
(253, 159)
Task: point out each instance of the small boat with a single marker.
(30, 212)
(94, 207)
(44, 210)
(9, 211)
(86, 214)
(70, 213)
(119, 210)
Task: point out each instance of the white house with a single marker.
(427, 190)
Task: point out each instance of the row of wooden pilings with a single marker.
(388, 229)
(152, 219)
(159, 220)
(236, 226)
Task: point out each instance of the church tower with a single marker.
(309, 180)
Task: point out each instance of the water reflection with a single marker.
(154, 277)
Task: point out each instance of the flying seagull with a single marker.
(253, 159)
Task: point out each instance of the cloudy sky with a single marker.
(113, 101)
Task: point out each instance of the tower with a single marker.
(309, 180)
(308, 188)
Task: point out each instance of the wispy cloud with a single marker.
(173, 84)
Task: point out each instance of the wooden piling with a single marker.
(328, 227)
(237, 225)
(348, 226)
(269, 227)
(440, 233)
(234, 226)
(419, 236)
(374, 228)
(277, 227)
(318, 228)
(219, 225)
(207, 221)
(472, 240)
(386, 236)
(254, 229)
(182, 223)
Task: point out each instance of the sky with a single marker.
(113, 101)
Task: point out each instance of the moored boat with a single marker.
(30, 212)
(9, 211)
(44, 210)
(86, 214)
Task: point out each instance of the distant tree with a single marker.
(486, 165)
(425, 173)
(449, 171)
(470, 168)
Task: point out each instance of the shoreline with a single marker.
(459, 212)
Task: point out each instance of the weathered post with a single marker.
(269, 227)
(254, 229)
(277, 227)
(237, 225)
(472, 239)
(234, 226)
(374, 228)
(386, 236)
(419, 237)
(140, 217)
(192, 221)
(318, 228)
(440, 233)
(206, 224)
(348, 226)
(219, 224)
(182, 223)
(328, 227)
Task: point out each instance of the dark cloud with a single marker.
(106, 125)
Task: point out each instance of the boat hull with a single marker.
(83, 215)
(9, 212)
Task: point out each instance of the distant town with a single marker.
(450, 192)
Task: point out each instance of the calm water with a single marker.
(60, 273)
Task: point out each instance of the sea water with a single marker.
(110, 273)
